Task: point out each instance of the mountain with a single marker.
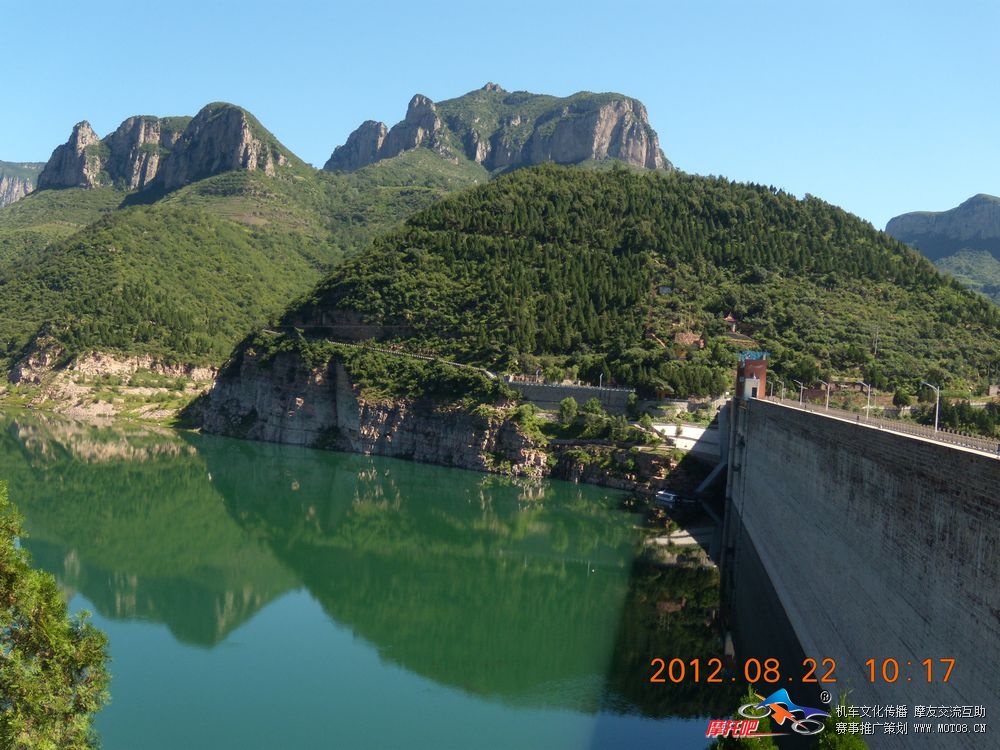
(17, 179)
(973, 225)
(588, 274)
(964, 241)
(165, 152)
(173, 237)
(502, 130)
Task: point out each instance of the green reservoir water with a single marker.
(262, 596)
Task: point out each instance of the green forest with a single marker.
(614, 276)
(592, 273)
(187, 276)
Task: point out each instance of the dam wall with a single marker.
(548, 395)
(877, 545)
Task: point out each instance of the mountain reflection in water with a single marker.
(506, 590)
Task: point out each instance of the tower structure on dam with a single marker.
(751, 375)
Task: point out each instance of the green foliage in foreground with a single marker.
(828, 739)
(598, 271)
(567, 410)
(764, 726)
(52, 669)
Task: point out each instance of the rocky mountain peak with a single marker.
(420, 106)
(165, 152)
(361, 148)
(220, 138)
(137, 147)
(76, 163)
(371, 142)
(83, 134)
(502, 130)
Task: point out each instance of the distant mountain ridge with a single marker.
(171, 237)
(165, 153)
(17, 179)
(973, 225)
(964, 241)
(502, 130)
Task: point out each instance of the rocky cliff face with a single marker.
(164, 153)
(220, 138)
(13, 189)
(128, 158)
(502, 130)
(136, 148)
(373, 141)
(362, 147)
(76, 163)
(285, 401)
(616, 130)
(973, 225)
(17, 179)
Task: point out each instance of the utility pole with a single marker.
(800, 389)
(868, 405)
(827, 394)
(937, 402)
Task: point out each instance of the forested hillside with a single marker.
(186, 276)
(592, 273)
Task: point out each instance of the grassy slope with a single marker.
(188, 275)
(976, 269)
(559, 266)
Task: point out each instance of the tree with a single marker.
(567, 410)
(829, 739)
(593, 406)
(53, 674)
(748, 743)
(632, 408)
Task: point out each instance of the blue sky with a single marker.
(879, 107)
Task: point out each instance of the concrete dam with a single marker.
(866, 544)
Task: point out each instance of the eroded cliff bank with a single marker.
(103, 386)
(283, 399)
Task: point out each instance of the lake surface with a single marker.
(263, 596)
